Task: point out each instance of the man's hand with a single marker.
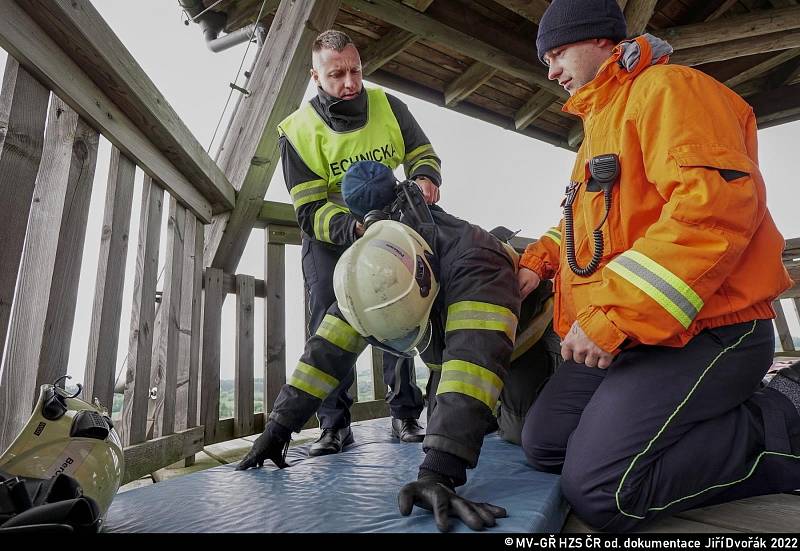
(360, 229)
(429, 190)
(267, 446)
(578, 347)
(432, 493)
(528, 281)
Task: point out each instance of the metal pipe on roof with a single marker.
(212, 23)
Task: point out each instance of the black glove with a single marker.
(270, 445)
(434, 492)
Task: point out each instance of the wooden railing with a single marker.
(67, 81)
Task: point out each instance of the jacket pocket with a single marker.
(722, 188)
(725, 160)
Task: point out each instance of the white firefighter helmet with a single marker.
(67, 435)
(385, 286)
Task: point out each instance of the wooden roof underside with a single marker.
(478, 56)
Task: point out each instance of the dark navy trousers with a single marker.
(405, 398)
(664, 429)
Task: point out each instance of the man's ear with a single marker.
(314, 75)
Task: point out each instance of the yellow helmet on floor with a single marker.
(385, 286)
(67, 435)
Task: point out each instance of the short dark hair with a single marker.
(331, 40)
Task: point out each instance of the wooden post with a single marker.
(137, 375)
(250, 155)
(353, 390)
(23, 111)
(275, 323)
(57, 337)
(785, 336)
(192, 385)
(165, 356)
(212, 335)
(101, 359)
(378, 387)
(197, 317)
(64, 148)
(183, 367)
(243, 422)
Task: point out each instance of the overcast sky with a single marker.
(491, 176)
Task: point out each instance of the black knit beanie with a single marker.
(568, 21)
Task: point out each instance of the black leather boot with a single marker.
(331, 441)
(407, 430)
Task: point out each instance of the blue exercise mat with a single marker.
(353, 491)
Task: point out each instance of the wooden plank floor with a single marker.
(773, 513)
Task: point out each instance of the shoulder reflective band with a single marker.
(472, 380)
(554, 234)
(664, 287)
(308, 192)
(470, 314)
(341, 334)
(323, 218)
(313, 381)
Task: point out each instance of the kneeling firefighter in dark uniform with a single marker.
(421, 279)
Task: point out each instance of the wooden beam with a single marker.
(779, 104)
(79, 30)
(23, 111)
(532, 10)
(244, 384)
(212, 336)
(762, 68)
(738, 48)
(64, 145)
(435, 97)
(467, 82)
(575, 136)
(638, 14)
(757, 23)
(166, 370)
(722, 9)
(250, 154)
(274, 323)
(419, 5)
(273, 212)
(286, 235)
(401, 16)
(23, 39)
(782, 3)
(535, 106)
(140, 343)
(58, 326)
(384, 49)
(143, 459)
(101, 358)
(229, 286)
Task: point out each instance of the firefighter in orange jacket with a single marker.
(664, 266)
